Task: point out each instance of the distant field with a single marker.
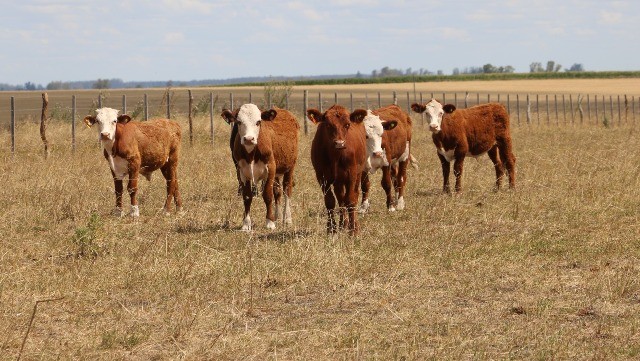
(549, 271)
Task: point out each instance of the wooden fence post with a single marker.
(619, 112)
(477, 98)
(626, 110)
(611, 107)
(335, 98)
(250, 97)
(538, 107)
(571, 107)
(124, 103)
(595, 102)
(231, 101)
(395, 98)
(211, 110)
(633, 109)
(518, 107)
(555, 103)
(604, 110)
(43, 124)
(588, 109)
(190, 117)
(455, 99)
(509, 104)
(421, 114)
(168, 104)
(466, 97)
(351, 101)
(366, 99)
(548, 116)
(564, 111)
(320, 101)
(305, 106)
(444, 98)
(146, 107)
(13, 127)
(528, 110)
(379, 101)
(73, 123)
(580, 110)
(488, 98)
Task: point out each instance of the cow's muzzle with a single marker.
(339, 144)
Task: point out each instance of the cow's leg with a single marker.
(351, 202)
(119, 190)
(247, 197)
(506, 155)
(401, 182)
(169, 172)
(341, 191)
(446, 169)
(287, 188)
(366, 186)
(386, 183)
(267, 196)
(497, 164)
(330, 204)
(132, 188)
(277, 196)
(458, 165)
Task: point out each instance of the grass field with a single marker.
(549, 271)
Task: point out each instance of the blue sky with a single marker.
(68, 40)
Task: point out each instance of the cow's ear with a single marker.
(269, 114)
(314, 115)
(228, 116)
(89, 120)
(449, 108)
(418, 108)
(124, 119)
(358, 115)
(388, 125)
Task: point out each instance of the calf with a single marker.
(132, 148)
(338, 155)
(473, 131)
(265, 148)
(388, 132)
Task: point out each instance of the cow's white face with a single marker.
(375, 154)
(106, 119)
(249, 119)
(434, 111)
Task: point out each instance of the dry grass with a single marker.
(549, 271)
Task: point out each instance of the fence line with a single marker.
(172, 103)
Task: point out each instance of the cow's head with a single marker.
(336, 122)
(374, 127)
(106, 118)
(434, 110)
(248, 118)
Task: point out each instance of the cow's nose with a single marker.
(249, 138)
(377, 154)
(339, 144)
(104, 136)
(433, 127)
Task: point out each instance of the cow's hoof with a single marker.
(364, 207)
(271, 225)
(288, 220)
(117, 212)
(135, 211)
(392, 209)
(246, 224)
(400, 205)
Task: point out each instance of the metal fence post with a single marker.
(73, 123)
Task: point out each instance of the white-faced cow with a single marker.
(388, 132)
(265, 149)
(132, 148)
(470, 132)
(338, 155)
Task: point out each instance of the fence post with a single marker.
(168, 104)
(408, 103)
(99, 100)
(588, 109)
(13, 127)
(555, 104)
(488, 98)
(611, 107)
(444, 98)
(190, 118)
(421, 114)
(146, 107)
(477, 98)
(351, 101)
(73, 124)
(509, 104)
(548, 116)
(335, 98)
(619, 112)
(455, 99)
(320, 101)
(498, 97)
(211, 110)
(580, 110)
(250, 97)
(395, 98)
(379, 102)
(528, 110)
(564, 111)
(366, 99)
(538, 107)
(124, 103)
(626, 110)
(466, 97)
(43, 124)
(571, 107)
(305, 106)
(604, 110)
(518, 107)
(595, 102)
(231, 101)
(633, 109)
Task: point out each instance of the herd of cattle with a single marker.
(346, 148)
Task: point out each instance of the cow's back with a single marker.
(153, 141)
(281, 135)
(395, 139)
(483, 124)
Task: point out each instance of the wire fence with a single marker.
(201, 105)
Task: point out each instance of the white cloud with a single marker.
(455, 34)
(607, 17)
(173, 38)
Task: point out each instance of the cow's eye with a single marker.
(258, 123)
(367, 137)
(347, 125)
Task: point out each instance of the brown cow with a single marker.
(132, 148)
(388, 148)
(265, 148)
(474, 131)
(338, 155)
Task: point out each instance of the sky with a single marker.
(182, 40)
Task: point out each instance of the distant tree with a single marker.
(456, 71)
(58, 85)
(576, 67)
(488, 68)
(440, 72)
(409, 71)
(29, 86)
(509, 69)
(374, 73)
(536, 67)
(101, 84)
(358, 75)
(169, 84)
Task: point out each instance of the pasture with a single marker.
(548, 271)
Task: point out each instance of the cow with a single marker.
(265, 148)
(338, 156)
(388, 132)
(458, 133)
(133, 148)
